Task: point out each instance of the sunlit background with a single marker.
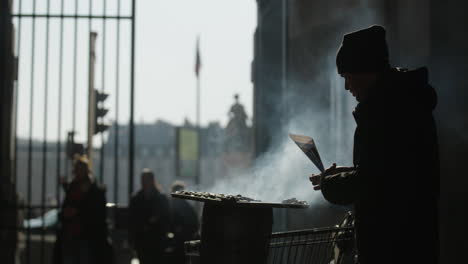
(165, 82)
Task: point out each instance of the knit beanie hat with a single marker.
(363, 51)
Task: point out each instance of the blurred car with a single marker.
(48, 221)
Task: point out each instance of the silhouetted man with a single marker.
(394, 183)
(149, 221)
(185, 223)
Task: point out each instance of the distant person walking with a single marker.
(82, 238)
(185, 223)
(149, 221)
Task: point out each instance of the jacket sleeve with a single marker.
(340, 188)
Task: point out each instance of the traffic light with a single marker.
(100, 112)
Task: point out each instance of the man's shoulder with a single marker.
(417, 76)
(136, 195)
(407, 89)
(162, 197)
(98, 188)
(154, 195)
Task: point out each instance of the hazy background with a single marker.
(165, 83)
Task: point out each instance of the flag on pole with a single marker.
(197, 58)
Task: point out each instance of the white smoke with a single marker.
(283, 172)
(279, 174)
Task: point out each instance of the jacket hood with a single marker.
(412, 87)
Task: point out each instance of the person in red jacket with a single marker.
(83, 232)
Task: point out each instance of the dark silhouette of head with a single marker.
(362, 58)
(81, 170)
(147, 179)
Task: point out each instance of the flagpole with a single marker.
(197, 179)
(198, 102)
(197, 73)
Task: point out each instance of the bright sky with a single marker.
(165, 82)
(166, 34)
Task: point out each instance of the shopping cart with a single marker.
(332, 245)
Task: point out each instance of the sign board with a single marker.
(187, 154)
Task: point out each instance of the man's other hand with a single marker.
(316, 179)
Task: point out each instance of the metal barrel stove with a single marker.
(235, 229)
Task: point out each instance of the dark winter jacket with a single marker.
(185, 222)
(149, 220)
(395, 185)
(185, 227)
(89, 224)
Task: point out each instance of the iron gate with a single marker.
(54, 62)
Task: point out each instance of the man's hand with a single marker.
(316, 179)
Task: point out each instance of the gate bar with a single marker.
(75, 54)
(59, 129)
(31, 111)
(132, 109)
(15, 164)
(44, 143)
(116, 134)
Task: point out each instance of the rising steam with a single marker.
(279, 174)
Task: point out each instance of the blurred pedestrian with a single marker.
(185, 223)
(149, 221)
(82, 237)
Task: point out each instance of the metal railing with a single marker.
(48, 42)
(332, 245)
